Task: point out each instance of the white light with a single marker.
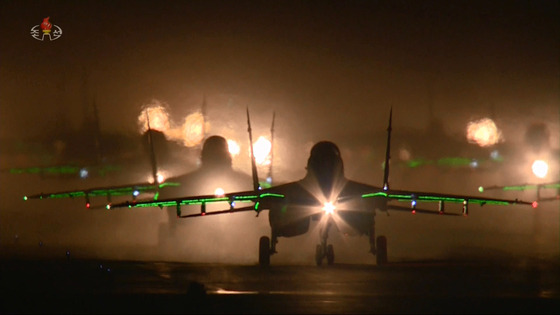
(261, 149)
(495, 155)
(219, 192)
(84, 173)
(160, 178)
(540, 168)
(233, 148)
(328, 207)
(135, 193)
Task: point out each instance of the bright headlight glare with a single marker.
(540, 168)
(328, 207)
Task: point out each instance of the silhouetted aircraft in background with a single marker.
(141, 189)
(75, 154)
(132, 190)
(324, 195)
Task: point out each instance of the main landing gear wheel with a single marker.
(322, 252)
(381, 255)
(330, 254)
(264, 251)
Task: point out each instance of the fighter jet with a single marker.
(324, 195)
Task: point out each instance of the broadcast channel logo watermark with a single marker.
(46, 30)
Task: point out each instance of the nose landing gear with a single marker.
(322, 251)
(267, 248)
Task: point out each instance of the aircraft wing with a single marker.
(66, 170)
(414, 197)
(253, 199)
(132, 190)
(552, 185)
(523, 187)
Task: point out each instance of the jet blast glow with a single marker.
(157, 113)
(483, 132)
(193, 129)
(261, 149)
(233, 148)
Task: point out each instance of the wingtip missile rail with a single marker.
(108, 192)
(465, 201)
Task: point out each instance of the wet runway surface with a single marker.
(89, 286)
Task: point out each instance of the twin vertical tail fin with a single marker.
(203, 113)
(256, 185)
(269, 177)
(387, 153)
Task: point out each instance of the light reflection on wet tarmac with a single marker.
(159, 287)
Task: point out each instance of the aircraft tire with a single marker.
(319, 255)
(330, 254)
(381, 256)
(264, 251)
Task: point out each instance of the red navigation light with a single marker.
(87, 205)
(413, 211)
(535, 204)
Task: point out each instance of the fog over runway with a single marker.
(327, 70)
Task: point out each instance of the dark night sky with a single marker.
(295, 57)
(329, 69)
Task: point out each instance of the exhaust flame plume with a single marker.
(483, 132)
(193, 130)
(191, 133)
(233, 148)
(156, 111)
(261, 149)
